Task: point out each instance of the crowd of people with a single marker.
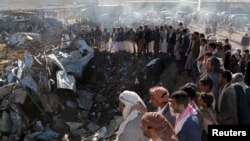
(185, 114)
(140, 40)
(218, 92)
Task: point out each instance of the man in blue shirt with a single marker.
(187, 126)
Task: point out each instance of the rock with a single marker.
(99, 98)
(4, 138)
(98, 135)
(81, 131)
(39, 126)
(85, 114)
(5, 104)
(113, 126)
(92, 126)
(50, 102)
(31, 136)
(85, 100)
(71, 104)
(5, 90)
(60, 126)
(6, 122)
(19, 96)
(74, 125)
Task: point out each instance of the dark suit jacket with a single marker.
(228, 108)
(169, 115)
(171, 40)
(196, 48)
(185, 44)
(191, 130)
(243, 105)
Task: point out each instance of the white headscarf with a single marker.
(129, 99)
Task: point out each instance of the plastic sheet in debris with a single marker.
(20, 38)
(28, 61)
(65, 81)
(48, 135)
(54, 59)
(152, 62)
(23, 67)
(12, 76)
(74, 62)
(85, 100)
(30, 83)
(19, 96)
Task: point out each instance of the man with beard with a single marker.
(160, 100)
(156, 127)
(132, 108)
(226, 106)
(187, 126)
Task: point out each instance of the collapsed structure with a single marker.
(54, 85)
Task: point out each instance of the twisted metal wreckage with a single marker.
(34, 77)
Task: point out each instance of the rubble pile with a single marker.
(72, 93)
(31, 96)
(107, 75)
(26, 30)
(28, 41)
(53, 86)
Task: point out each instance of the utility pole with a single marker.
(64, 17)
(199, 5)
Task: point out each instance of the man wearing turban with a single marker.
(132, 108)
(160, 100)
(156, 127)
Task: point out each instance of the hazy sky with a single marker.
(26, 4)
(20, 4)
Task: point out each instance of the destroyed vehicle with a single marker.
(180, 15)
(21, 38)
(239, 20)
